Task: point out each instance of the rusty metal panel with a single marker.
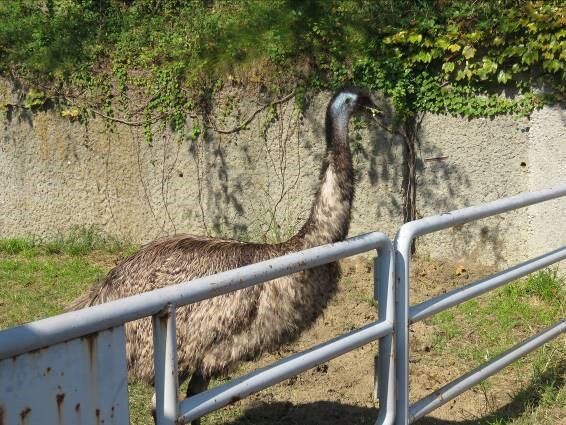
(79, 382)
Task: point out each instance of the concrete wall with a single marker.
(257, 184)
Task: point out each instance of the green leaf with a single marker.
(488, 66)
(503, 77)
(498, 41)
(464, 73)
(448, 67)
(468, 52)
(532, 27)
(529, 56)
(34, 99)
(415, 38)
(474, 36)
(442, 43)
(422, 56)
(552, 65)
(454, 48)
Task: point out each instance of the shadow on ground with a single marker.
(263, 413)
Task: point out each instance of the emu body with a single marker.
(214, 335)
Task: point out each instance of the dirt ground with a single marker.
(340, 391)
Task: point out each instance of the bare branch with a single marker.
(248, 120)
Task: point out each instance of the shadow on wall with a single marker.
(254, 184)
(440, 174)
(524, 402)
(16, 111)
(219, 192)
(251, 182)
(258, 183)
(444, 185)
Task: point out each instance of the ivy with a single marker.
(453, 57)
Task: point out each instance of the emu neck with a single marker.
(329, 219)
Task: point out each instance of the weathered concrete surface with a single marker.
(257, 184)
(547, 167)
(486, 159)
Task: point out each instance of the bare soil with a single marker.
(340, 391)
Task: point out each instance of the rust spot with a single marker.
(235, 399)
(163, 319)
(24, 413)
(60, 398)
(91, 342)
(48, 370)
(77, 407)
(97, 412)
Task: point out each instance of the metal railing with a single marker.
(391, 289)
(406, 314)
(161, 304)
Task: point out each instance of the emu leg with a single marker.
(197, 384)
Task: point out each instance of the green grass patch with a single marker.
(543, 400)
(15, 246)
(480, 329)
(78, 242)
(140, 395)
(496, 321)
(39, 278)
(40, 286)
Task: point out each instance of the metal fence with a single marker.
(406, 314)
(73, 365)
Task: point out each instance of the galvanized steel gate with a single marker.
(71, 369)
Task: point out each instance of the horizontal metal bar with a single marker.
(208, 401)
(431, 224)
(458, 386)
(39, 334)
(459, 295)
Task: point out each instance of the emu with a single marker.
(216, 334)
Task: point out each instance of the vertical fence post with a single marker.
(384, 280)
(165, 363)
(402, 260)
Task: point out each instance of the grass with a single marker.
(479, 330)
(78, 242)
(496, 321)
(37, 279)
(40, 286)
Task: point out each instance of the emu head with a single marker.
(349, 101)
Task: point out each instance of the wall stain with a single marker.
(23, 415)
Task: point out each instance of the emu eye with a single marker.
(348, 101)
